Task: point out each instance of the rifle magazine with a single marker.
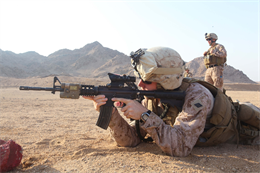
(104, 116)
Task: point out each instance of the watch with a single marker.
(145, 116)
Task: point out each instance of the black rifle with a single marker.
(116, 88)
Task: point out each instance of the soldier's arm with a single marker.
(220, 51)
(180, 139)
(124, 134)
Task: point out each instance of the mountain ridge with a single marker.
(91, 61)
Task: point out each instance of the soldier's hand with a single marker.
(205, 53)
(98, 101)
(132, 108)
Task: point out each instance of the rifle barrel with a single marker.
(39, 88)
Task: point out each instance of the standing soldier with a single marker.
(187, 72)
(214, 60)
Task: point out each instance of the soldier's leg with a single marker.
(249, 114)
(217, 76)
(208, 77)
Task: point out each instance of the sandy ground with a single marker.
(60, 135)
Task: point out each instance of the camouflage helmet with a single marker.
(161, 65)
(211, 35)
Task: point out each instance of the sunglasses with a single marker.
(209, 39)
(146, 82)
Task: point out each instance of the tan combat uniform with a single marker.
(214, 72)
(176, 140)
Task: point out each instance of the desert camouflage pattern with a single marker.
(217, 50)
(161, 57)
(176, 139)
(214, 76)
(211, 35)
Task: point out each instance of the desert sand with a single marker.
(60, 135)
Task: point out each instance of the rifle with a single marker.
(116, 88)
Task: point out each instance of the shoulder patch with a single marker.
(197, 105)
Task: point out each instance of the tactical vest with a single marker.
(229, 121)
(213, 60)
(223, 120)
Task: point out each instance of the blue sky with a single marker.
(50, 25)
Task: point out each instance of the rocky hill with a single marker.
(91, 61)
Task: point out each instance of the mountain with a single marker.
(21, 65)
(231, 75)
(91, 61)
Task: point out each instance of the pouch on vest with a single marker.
(212, 60)
(208, 60)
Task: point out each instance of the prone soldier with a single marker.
(176, 127)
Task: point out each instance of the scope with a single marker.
(118, 78)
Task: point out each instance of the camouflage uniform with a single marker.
(175, 140)
(214, 74)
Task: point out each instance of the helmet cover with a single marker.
(211, 35)
(161, 65)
